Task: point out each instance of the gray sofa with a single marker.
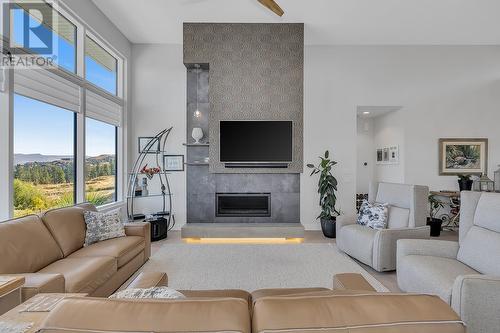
(407, 219)
(464, 274)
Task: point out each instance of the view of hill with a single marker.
(43, 182)
(30, 158)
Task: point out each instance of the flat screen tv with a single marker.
(256, 141)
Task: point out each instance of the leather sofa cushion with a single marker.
(480, 250)
(67, 226)
(123, 249)
(83, 275)
(228, 293)
(433, 275)
(356, 313)
(257, 294)
(26, 246)
(110, 315)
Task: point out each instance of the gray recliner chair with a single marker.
(466, 274)
(408, 208)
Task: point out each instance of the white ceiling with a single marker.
(327, 22)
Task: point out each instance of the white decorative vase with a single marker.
(197, 134)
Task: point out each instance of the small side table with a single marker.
(10, 292)
(20, 314)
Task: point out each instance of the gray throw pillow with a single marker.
(373, 215)
(153, 292)
(103, 226)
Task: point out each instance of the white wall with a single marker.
(444, 91)
(389, 131)
(159, 101)
(365, 154)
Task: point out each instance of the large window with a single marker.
(62, 32)
(100, 66)
(44, 156)
(100, 162)
(67, 121)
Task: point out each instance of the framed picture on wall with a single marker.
(380, 156)
(394, 154)
(173, 163)
(386, 155)
(148, 145)
(463, 156)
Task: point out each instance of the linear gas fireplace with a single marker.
(243, 204)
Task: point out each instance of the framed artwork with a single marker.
(173, 163)
(148, 145)
(386, 155)
(380, 156)
(463, 156)
(394, 154)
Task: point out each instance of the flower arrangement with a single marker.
(150, 172)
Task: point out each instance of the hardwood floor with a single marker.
(388, 279)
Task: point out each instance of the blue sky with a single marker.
(41, 128)
(66, 58)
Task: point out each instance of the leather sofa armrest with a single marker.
(352, 282)
(141, 230)
(149, 279)
(475, 299)
(36, 283)
(385, 245)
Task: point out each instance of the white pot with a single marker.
(197, 134)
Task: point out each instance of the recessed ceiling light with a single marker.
(366, 112)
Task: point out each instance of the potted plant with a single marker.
(433, 221)
(327, 186)
(465, 182)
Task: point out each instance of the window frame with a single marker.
(117, 153)
(74, 144)
(78, 78)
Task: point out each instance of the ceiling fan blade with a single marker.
(272, 5)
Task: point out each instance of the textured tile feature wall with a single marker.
(202, 185)
(256, 73)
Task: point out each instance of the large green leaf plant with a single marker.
(327, 187)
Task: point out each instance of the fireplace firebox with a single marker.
(243, 204)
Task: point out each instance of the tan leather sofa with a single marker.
(48, 251)
(271, 310)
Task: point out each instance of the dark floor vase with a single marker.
(435, 225)
(465, 185)
(328, 227)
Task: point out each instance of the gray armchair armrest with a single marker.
(475, 298)
(342, 222)
(433, 248)
(385, 244)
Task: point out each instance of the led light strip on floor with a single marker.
(243, 240)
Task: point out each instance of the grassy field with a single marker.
(37, 198)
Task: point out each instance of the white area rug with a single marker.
(252, 267)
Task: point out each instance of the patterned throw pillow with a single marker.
(373, 215)
(153, 292)
(103, 226)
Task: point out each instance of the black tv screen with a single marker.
(256, 141)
